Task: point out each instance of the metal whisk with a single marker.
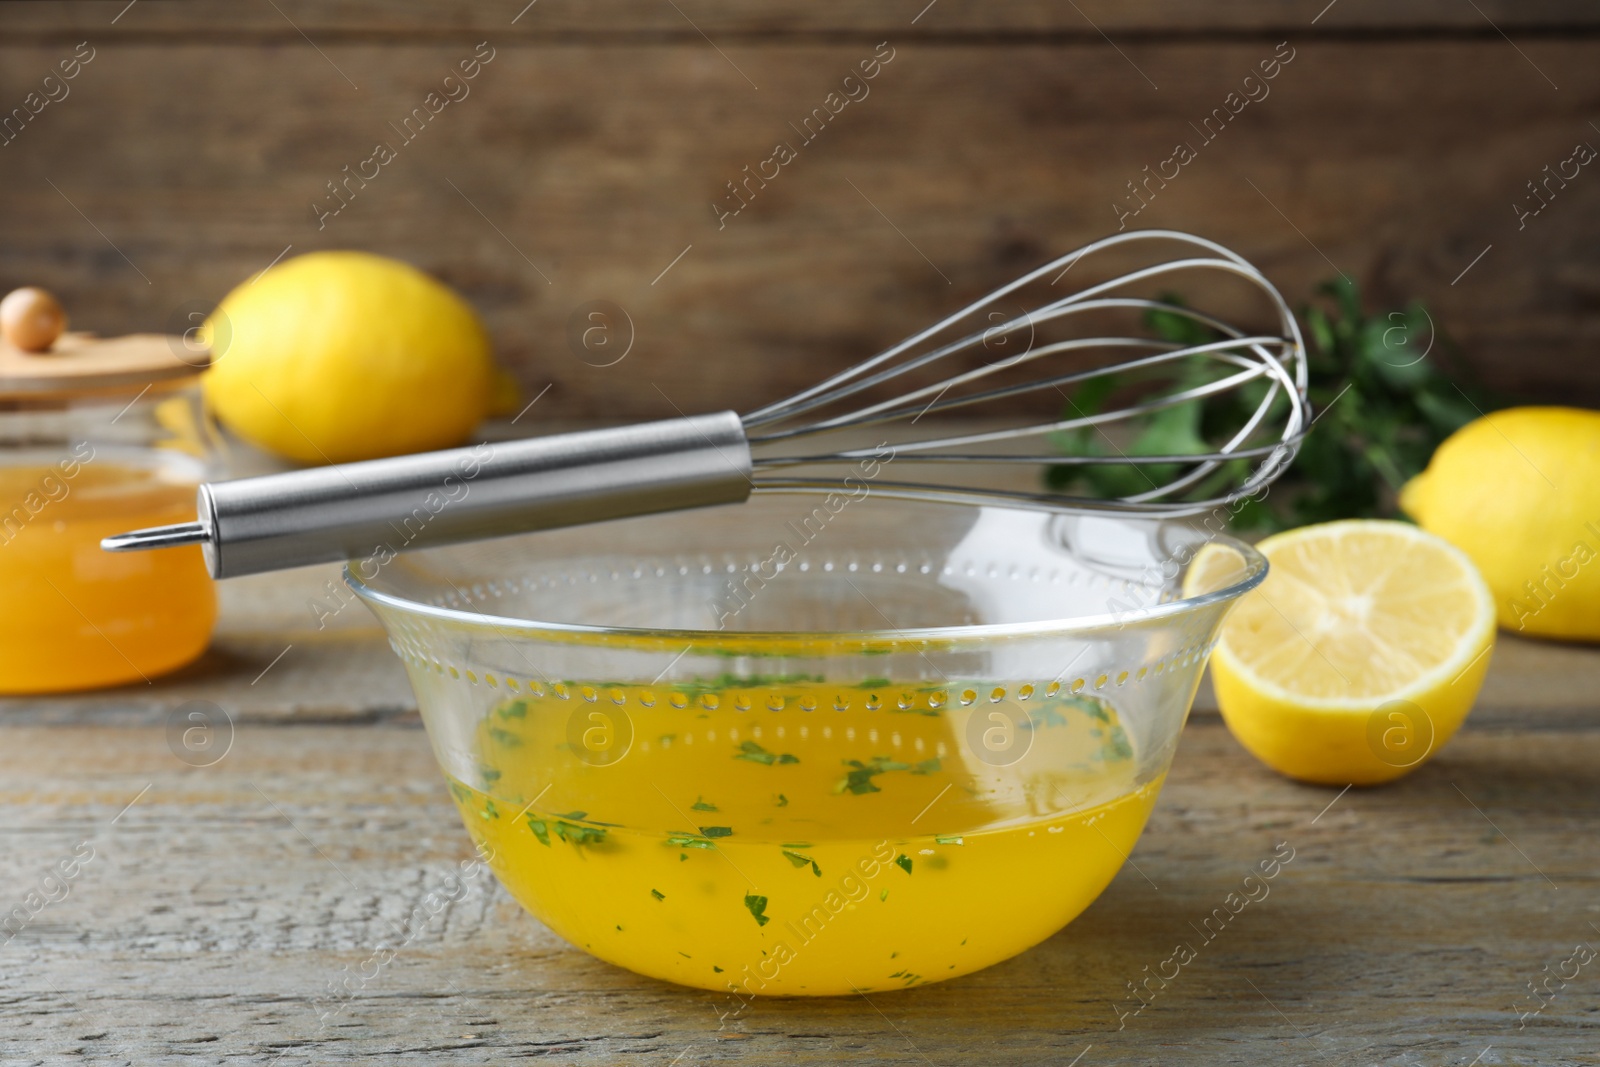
(490, 490)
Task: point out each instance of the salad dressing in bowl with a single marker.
(715, 751)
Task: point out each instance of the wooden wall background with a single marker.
(190, 149)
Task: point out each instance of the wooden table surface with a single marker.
(222, 902)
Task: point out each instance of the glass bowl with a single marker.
(812, 744)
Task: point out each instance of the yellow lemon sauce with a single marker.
(696, 836)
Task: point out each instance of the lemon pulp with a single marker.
(847, 851)
(1358, 656)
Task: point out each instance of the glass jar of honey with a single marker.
(98, 437)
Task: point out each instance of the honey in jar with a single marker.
(95, 438)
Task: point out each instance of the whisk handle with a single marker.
(381, 507)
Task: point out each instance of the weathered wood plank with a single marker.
(575, 174)
(575, 19)
(226, 898)
(221, 901)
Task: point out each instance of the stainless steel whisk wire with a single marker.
(350, 510)
(1283, 381)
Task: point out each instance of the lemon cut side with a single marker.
(1359, 655)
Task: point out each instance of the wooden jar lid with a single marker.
(84, 363)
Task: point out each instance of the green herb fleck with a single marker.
(730, 680)
(1116, 746)
(714, 967)
(716, 831)
(858, 780)
(783, 801)
(658, 894)
(489, 810)
(927, 766)
(750, 750)
(874, 683)
(949, 839)
(460, 792)
(504, 738)
(758, 907)
(700, 804)
(1047, 716)
(489, 776)
(689, 841)
(517, 709)
(883, 895)
(579, 835)
(798, 860)
(540, 830)
(903, 862)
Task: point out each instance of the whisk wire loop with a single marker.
(1275, 364)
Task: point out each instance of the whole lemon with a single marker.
(1519, 492)
(338, 356)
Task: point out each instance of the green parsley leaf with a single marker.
(504, 738)
(700, 804)
(658, 894)
(783, 801)
(859, 779)
(540, 830)
(1047, 716)
(755, 753)
(949, 839)
(796, 859)
(517, 709)
(758, 907)
(1399, 407)
(689, 841)
(716, 831)
(579, 835)
(903, 862)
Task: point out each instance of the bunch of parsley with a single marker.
(1383, 405)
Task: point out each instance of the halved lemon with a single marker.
(1358, 657)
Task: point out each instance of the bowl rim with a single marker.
(648, 636)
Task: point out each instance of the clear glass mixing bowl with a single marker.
(815, 743)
